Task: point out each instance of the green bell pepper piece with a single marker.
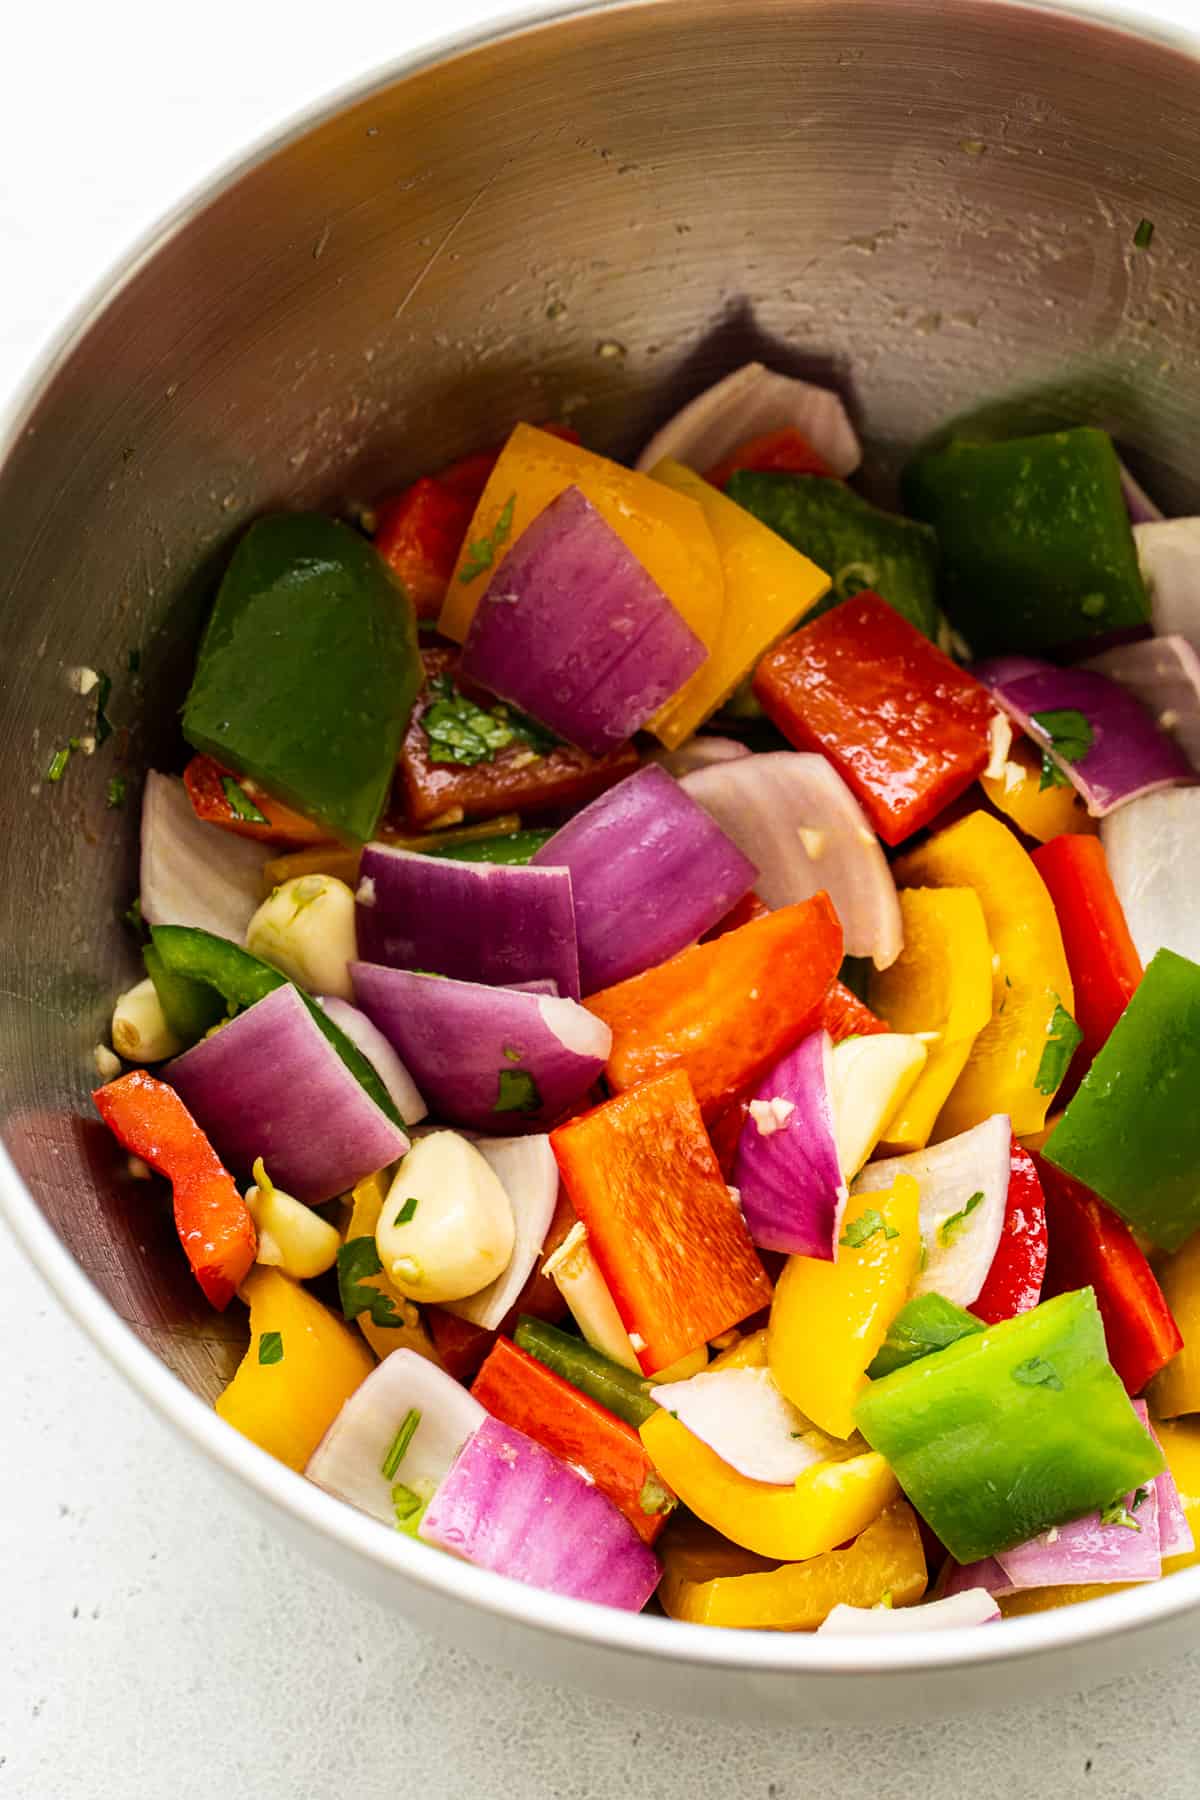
(205, 960)
(1036, 546)
(927, 1324)
(597, 1376)
(516, 848)
(1011, 1430)
(854, 542)
(1131, 1132)
(308, 670)
(190, 1007)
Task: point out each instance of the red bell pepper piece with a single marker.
(785, 452)
(725, 1011)
(748, 908)
(522, 1392)
(463, 1345)
(671, 1244)
(844, 1015)
(1104, 963)
(1091, 1247)
(213, 1221)
(1014, 1281)
(205, 781)
(905, 728)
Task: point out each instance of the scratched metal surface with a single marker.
(932, 207)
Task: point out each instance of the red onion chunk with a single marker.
(1164, 674)
(1169, 558)
(379, 1053)
(1141, 508)
(573, 629)
(969, 1606)
(786, 1170)
(487, 922)
(795, 818)
(650, 873)
(493, 1059)
(270, 1084)
(752, 400)
(192, 873)
(1174, 1533)
(1153, 851)
(986, 1573)
(541, 984)
(699, 753)
(509, 1506)
(1128, 756)
(1088, 1550)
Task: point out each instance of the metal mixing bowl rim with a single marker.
(754, 1652)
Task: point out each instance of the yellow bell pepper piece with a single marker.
(708, 1582)
(750, 1352)
(1176, 1389)
(1049, 1599)
(287, 1405)
(768, 589)
(829, 1318)
(1180, 1439)
(827, 1504)
(366, 1204)
(1030, 977)
(940, 982)
(666, 531)
(1040, 812)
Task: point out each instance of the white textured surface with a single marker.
(154, 1641)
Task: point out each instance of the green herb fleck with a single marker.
(133, 916)
(459, 731)
(654, 1498)
(407, 1210)
(887, 1599)
(357, 1261)
(116, 792)
(1052, 776)
(405, 1503)
(103, 722)
(482, 553)
(1062, 1037)
(513, 1055)
(400, 1442)
(1143, 234)
(241, 804)
(860, 1231)
(949, 1228)
(270, 1347)
(1140, 1497)
(1119, 1514)
(59, 761)
(1069, 736)
(1037, 1372)
(135, 661)
(518, 1092)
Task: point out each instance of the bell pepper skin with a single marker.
(861, 546)
(769, 587)
(942, 982)
(828, 1319)
(307, 671)
(429, 795)
(669, 1240)
(1039, 812)
(286, 1406)
(1132, 1131)
(620, 1391)
(725, 1011)
(1011, 1430)
(783, 452)
(1104, 963)
(707, 1581)
(1036, 546)
(189, 1007)
(828, 1503)
(844, 1015)
(1091, 1247)
(666, 531)
(1180, 1439)
(747, 909)
(213, 1221)
(903, 726)
(1015, 1280)
(1030, 976)
(205, 781)
(521, 1391)
(926, 1324)
(419, 534)
(1177, 1389)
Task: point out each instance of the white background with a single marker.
(153, 1641)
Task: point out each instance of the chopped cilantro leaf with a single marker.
(1139, 1499)
(1066, 732)
(400, 1442)
(116, 791)
(1119, 1514)
(518, 1092)
(408, 1507)
(241, 805)
(482, 553)
(1143, 234)
(1062, 1037)
(58, 763)
(133, 916)
(103, 722)
(459, 731)
(135, 661)
(1037, 1372)
(861, 1230)
(357, 1261)
(407, 1210)
(270, 1347)
(949, 1228)
(1052, 776)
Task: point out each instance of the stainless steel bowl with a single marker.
(930, 202)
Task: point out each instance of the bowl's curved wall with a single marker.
(931, 203)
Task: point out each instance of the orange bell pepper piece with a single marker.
(669, 1239)
(213, 1221)
(217, 804)
(525, 1394)
(727, 1010)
